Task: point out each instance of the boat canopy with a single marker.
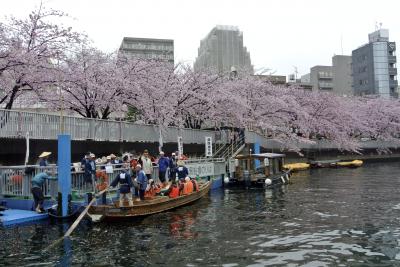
(261, 156)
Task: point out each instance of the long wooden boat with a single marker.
(323, 163)
(352, 164)
(336, 163)
(146, 207)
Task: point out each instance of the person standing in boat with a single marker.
(163, 163)
(37, 192)
(43, 159)
(90, 170)
(182, 171)
(172, 167)
(146, 163)
(141, 179)
(125, 183)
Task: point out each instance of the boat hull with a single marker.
(147, 207)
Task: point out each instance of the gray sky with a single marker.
(279, 34)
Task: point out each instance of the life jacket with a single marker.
(195, 185)
(188, 188)
(174, 192)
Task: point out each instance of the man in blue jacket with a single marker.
(125, 184)
(172, 167)
(141, 179)
(182, 171)
(37, 192)
(163, 163)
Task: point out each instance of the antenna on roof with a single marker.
(341, 42)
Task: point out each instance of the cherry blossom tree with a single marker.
(29, 49)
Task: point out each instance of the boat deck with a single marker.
(14, 216)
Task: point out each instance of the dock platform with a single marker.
(14, 216)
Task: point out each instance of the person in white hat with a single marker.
(43, 159)
(90, 170)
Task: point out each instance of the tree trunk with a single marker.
(12, 96)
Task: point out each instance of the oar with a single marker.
(77, 221)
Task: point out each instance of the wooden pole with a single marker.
(77, 221)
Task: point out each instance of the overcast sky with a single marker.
(279, 34)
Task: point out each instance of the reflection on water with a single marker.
(327, 217)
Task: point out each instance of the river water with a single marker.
(326, 217)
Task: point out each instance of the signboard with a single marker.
(180, 146)
(200, 169)
(209, 152)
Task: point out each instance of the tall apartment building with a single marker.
(222, 49)
(321, 78)
(148, 48)
(374, 66)
(341, 75)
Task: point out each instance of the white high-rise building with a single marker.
(222, 50)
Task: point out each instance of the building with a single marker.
(321, 78)
(374, 66)
(305, 78)
(148, 48)
(341, 75)
(222, 50)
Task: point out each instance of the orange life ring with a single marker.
(102, 180)
(16, 179)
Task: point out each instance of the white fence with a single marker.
(15, 124)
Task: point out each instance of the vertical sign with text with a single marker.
(180, 146)
(209, 152)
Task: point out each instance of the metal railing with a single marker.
(15, 124)
(14, 182)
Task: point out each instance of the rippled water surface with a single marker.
(327, 217)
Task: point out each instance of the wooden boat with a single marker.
(336, 163)
(297, 166)
(52, 212)
(323, 163)
(351, 164)
(262, 170)
(147, 207)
